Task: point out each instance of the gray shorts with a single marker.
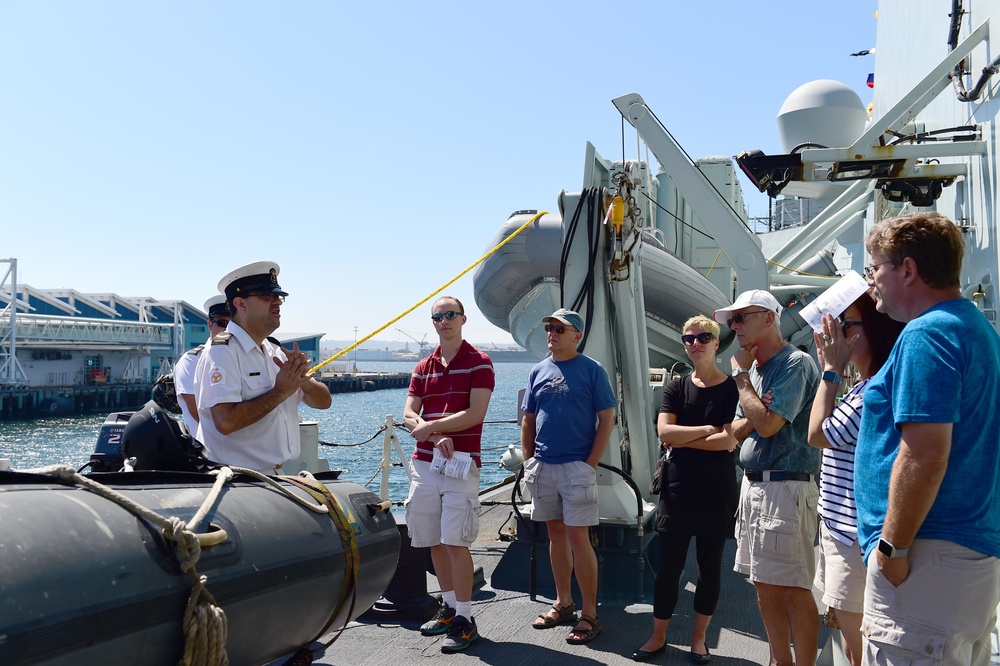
(840, 574)
(775, 532)
(941, 614)
(441, 509)
(562, 491)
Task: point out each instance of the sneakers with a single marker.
(440, 622)
(461, 633)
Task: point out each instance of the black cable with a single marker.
(377, 433)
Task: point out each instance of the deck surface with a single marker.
(736, 635)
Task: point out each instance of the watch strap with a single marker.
(831, 376)
(891, 551)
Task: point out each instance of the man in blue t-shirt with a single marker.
(569, 412)
(927, 475)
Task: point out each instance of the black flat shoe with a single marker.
(701, 658)
(646, 655)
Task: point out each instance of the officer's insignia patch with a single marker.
(216, 375)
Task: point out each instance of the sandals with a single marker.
(586, 635)
(563, 614)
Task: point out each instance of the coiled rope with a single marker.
(205, 626)
(429, 296)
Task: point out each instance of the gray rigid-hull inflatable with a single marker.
(84, 581)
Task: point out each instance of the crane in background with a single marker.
(422, 343)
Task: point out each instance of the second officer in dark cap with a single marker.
(248, 388)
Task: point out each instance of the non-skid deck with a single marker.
(736, 635)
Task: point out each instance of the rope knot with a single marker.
(186, 542)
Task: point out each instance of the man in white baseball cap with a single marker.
(779, 493)
(247, 387)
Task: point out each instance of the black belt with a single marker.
(771, 475)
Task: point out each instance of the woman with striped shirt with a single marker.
(862, 337)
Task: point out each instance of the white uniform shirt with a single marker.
(184, 385)
(241, 371)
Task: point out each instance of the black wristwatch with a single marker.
(891, 551)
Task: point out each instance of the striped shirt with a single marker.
(836, 487)
(446, 390)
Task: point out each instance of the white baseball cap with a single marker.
(747, 299)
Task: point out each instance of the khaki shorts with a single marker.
(563, 491)
(941, 614)
(776, 531)
(441, 509)
(841, 573)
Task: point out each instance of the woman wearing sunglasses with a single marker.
(698, 493)
(862, 337)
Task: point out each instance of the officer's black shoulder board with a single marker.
(222, 338)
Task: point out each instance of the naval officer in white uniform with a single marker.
(248, 388)
(218, 319)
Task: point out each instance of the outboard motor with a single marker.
(158, 442)
(107, 455)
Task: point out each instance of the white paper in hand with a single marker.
(834, 300)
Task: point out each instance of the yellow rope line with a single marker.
(795, 270)
(717, 257)
(429, 296)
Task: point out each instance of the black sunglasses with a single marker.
(220, 322)
(449, 315)
(738, 319)
(844, 325)
(703, 338)
(558, 329)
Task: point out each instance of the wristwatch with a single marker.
(739, 371)
(891, 551)
(831, 376)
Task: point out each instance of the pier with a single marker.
(365, 381)
(32, 402)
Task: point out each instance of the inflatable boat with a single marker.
(85, 579)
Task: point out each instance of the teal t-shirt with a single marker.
(792, 377)
(945, 368)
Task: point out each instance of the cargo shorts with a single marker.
(776, 531)
(562, 491)
(441, 509)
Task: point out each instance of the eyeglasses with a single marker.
(449, 315)
(738, 319)
(703, 338)
(268, 296)
(220, 322)
(844, 325)
(558, 329)
(871, 268)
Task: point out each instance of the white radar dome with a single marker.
(823, 112)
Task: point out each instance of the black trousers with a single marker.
(673, 553)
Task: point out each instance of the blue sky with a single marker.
(371, 149)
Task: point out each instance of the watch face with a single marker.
(885, 548)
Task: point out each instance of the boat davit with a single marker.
(86, 578)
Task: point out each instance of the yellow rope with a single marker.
(429, 296)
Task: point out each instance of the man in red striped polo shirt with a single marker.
(449, 394)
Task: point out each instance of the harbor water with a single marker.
(352, 419)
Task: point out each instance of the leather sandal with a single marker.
(586, 635)
(563, 614)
